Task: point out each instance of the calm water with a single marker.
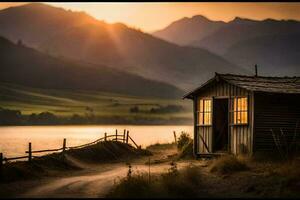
(14, 140)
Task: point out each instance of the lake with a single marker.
(14, 139)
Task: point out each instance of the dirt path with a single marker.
(91, 184)
(94, 180)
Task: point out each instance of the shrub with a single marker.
(135, 186)
(174, 183)
(183, 140)
(227, 164)
(187, 150)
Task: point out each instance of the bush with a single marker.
(187, 150)
(183, 140)
(227, 164)
(174, 183)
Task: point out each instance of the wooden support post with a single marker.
(127, 136)
(29, 152)
(124, 135)
(1, 160)
(116, 134)
(175, 137)
(105, 136)
(64, 144)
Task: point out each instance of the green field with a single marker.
(68, 102)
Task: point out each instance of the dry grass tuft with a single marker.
(228, 164)
(174, 183)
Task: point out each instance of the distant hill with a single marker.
(28, 67)
(275, 54)
(80, 37)
(240, 29)
(187, 30)
(272, 44)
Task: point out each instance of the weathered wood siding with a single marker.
(275, 111)
(240, 136)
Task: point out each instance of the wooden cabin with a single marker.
(237, 114)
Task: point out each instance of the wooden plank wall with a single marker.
(275, 111)
(240, 137)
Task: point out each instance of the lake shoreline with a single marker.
(85, 125)
(15, 139)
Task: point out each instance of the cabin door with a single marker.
(220, 125)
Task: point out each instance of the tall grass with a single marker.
(174, 183)
(228, 164)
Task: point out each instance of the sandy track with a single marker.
(90, 184)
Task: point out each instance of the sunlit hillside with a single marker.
(108, 106)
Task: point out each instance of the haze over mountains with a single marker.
(186, 31)
(114, 57)
(80, 37)
(272, 44)
(25, 66)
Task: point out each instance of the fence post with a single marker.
(124, 135)
(116, 134)
(64, 144)
(105, 136)
(175, 137)
(29, 152)
(127, 137)
(1, 160)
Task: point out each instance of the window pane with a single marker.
(244, 117)
(204, 114)
(207, 105)
(200, 118)
(234, 104)
(200, 105)
(240, 115)
(206, 118)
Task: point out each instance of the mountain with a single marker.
(274, 54)
(240, 29)
(28, 67)
(272, 44)
(77, 36)
(187, 30)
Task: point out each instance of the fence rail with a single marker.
(115, 137)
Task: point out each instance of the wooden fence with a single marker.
(125, 138)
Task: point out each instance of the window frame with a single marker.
(233, 111)
(203, 112)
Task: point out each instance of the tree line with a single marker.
(15, 117)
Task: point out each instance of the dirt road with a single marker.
(94, 183)
(94, 180)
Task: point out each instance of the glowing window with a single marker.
(204, 112)
(240, 110)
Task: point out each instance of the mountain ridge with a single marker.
(26, 66)
(114, 45)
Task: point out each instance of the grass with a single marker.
(161, 146)
(64, 103)
(187, 151)
(228, 164)
(108, 152)
(175, 183)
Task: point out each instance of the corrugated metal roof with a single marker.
(257, 83)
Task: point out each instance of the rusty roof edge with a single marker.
(230, 81)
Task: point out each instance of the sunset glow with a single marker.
(153, 16)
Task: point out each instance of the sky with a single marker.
(154, 16)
